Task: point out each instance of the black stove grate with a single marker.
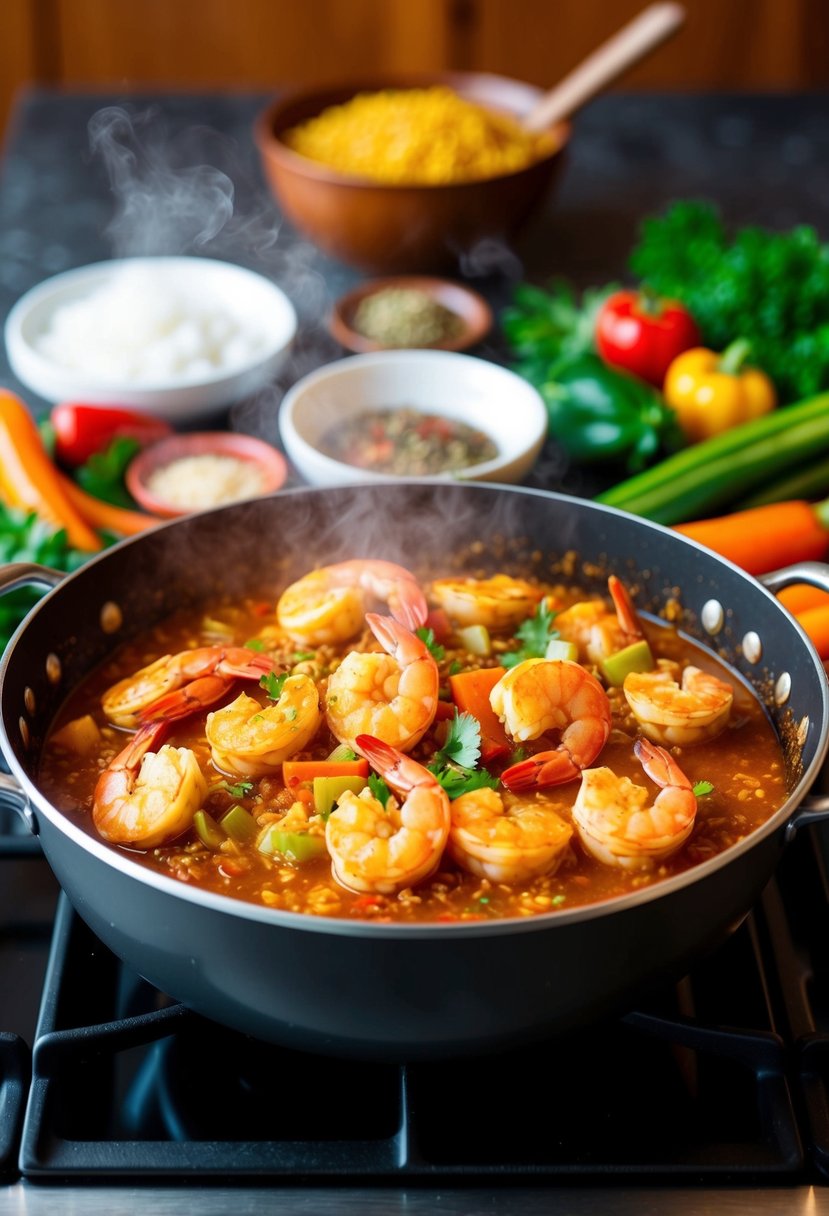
(128, 1085)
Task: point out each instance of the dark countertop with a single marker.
(88, 177)
(763, 159)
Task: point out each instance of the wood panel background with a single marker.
(259, 44)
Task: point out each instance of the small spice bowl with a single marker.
(203, 469)
(453, 387)
(409, 311)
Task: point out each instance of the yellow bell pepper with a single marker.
(711, 392)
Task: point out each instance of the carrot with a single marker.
(29, 480)
(816, 623)
(470, 692)
(765, 538)
(802, 596)
(103, 514)
(297, 772)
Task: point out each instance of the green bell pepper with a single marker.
(598, 413)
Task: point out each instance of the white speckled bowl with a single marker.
(475, 391)
(175, 397)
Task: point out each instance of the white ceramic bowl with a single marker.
(470, 390)
(259, 319)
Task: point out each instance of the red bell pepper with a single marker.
(82, 430)
(643, 334)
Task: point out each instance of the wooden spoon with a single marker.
(633, 41)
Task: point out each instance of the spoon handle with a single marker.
(632, 42)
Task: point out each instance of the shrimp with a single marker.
(393, 696)
(552, 694)
(674, 714)
(251, 740)
(506, 843)
(615, 824)
(382, 849)
(179, 684)
(328, 604)
(499, 602)
(597, 631)
(145, 798)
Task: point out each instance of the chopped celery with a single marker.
(476, 640)
(342, 752)
(557, 648)
(296, 846)
(636, 657)
(239, 824)
(328, 789)
(208, 830)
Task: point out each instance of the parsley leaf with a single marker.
(379, 788)
(255, 644)
(534, 634)
(427, 637)
(463, 743)
(239, 789)
(702, 789)
(273, 684)
(302, 656)
(457, 781)
(103, 474)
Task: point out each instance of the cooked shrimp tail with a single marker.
(626, 614)
(540, 695)
(385, 848)
(616, 825)
(144, 797)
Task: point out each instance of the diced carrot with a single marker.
(470, 692)
(445, 711)
(298, 772)
(801, 596)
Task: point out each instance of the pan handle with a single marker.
(813, 809)
(13, 798)
(815, 573)
(27, 574)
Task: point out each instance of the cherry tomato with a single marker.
(643, 334)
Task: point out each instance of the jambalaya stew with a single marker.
(479, 748)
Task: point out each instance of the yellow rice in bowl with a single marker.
(414, 137)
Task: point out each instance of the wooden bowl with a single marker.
(471, 309)
(397, 228)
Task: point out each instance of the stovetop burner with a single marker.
(723, 1078)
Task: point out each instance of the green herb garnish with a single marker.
(454, 765)
(702, 789)
(103, 474)
(273, 684)
(255, 644)
(379, 789)
(238, 789)
(427, 637)
(534, 634)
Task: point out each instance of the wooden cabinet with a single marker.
(257, 44)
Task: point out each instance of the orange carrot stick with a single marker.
(802, 596)
(103, 514)
(29, 480)
(765, 538)
(816, 623)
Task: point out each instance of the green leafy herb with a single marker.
(379, 788)
(427, 636)
(255, 644)
(534, 634)
(545, 327)
(455, 667)
(702, 789)
(302, 656)
(273, 684)
(103, 474)
(238, 789)
(771, 288)
(456, 781)
(463, 743)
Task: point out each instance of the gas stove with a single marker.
(108, 1087)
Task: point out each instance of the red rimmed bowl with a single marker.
(258, 462)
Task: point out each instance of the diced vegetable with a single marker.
(476, 640)
(342, 752)
(239, 825)
(636, 657)
(766, 538)
(470, 692)
(295, 846)
(81, 735)
(208, 830)
(695, 482)
(557, 648)
(297, 772)
(327, 790)
(28, 479)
